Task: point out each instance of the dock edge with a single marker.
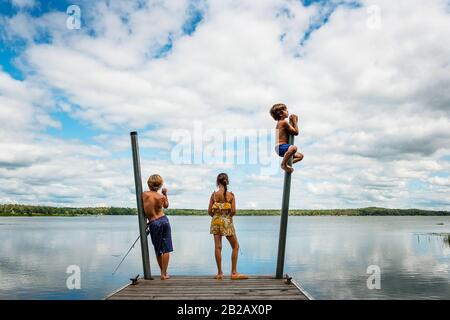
(302, 290)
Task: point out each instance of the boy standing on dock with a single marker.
(280, 113)
(159, 225)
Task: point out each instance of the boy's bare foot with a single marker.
(165, 277)
(298, 157)
(287, 168)
(219, 276)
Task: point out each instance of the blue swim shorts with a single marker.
(161, 235)
(281, 149)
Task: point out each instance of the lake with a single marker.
(328, 256)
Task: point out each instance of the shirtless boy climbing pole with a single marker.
(279, 113)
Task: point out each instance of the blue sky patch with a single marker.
(7, 61)
(326, 10)
(165, 49)
(71, 128)
(194, 17)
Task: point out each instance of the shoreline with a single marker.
(10, 210)
(197, 215)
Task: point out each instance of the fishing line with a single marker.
(147, 231)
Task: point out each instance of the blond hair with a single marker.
(276, 110)
(155, 181)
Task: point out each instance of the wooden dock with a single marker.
(207, 288)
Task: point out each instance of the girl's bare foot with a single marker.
(287, 168)
(165, 277)
(238, 276)
(219, 276)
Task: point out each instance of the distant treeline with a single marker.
(28, 210)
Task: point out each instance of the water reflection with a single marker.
(329, 256)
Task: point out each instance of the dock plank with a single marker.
(208, 288)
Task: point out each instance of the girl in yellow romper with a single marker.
(222, 208)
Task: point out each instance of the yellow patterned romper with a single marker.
(222, 221)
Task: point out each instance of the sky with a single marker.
(369, 81)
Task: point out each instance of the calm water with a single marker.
(329, 256)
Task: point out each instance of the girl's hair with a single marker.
(222, 179)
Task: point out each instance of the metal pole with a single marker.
(141, 214)
(284, 218)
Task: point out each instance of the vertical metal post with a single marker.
(140, 207)
(284, 218)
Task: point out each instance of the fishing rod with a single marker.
(132, 246)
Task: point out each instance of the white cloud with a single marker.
(23, 3)
(374, 105)
(440, 181)
(24, 106)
